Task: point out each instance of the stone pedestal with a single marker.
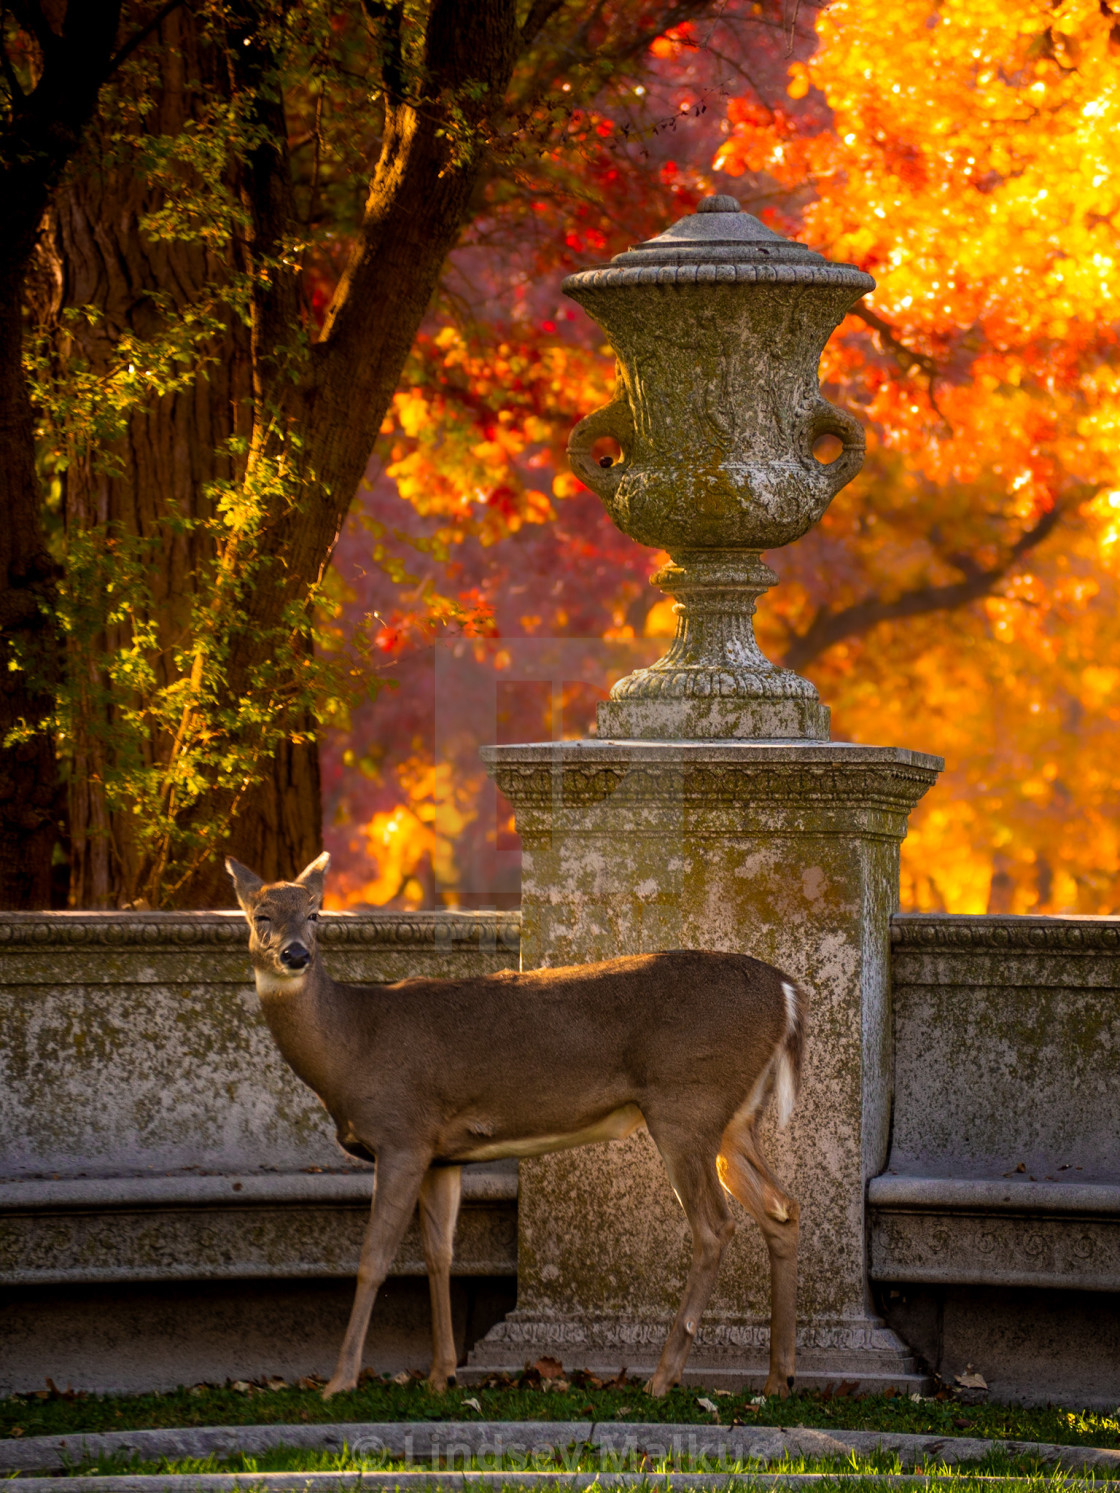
(785, 850)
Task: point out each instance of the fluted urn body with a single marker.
(718, 324)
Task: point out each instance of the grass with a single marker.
(1025, 1473)
(50, 1412)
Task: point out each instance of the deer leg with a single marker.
(439, 1208)
(746, 1176)
(396, 1189)
(692, 1172)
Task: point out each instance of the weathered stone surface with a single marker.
(487, 1442)
(788, 852)
(134, 1042)
(150, 1134)
(138, 1337)
(718, 324)
(239, 1228)
(1005, 1161)
(149, 1129)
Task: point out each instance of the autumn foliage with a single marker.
(959, 597)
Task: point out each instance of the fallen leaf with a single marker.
(473, 1403)
(242, 1386)
(709, 1405)
(549, 1368)
(277, 1384)
(970, 1380)
(404, 1377)
(724, 1394)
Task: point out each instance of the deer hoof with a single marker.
(778, 1384)
(338, 1386)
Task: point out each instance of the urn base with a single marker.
(863, 1354)
(699, 719)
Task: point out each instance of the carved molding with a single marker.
(536, 1332)
(232, 1243)
(443, 930)
(893, 786)
(995, 1250)
(948, 931)
(867, 1349)
(611, 278)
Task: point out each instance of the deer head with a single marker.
(282, 917)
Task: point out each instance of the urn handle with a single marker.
(827, 419)
(614, 419)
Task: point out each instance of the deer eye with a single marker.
(263, 924)
(312, 917)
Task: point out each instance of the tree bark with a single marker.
(41, 134)
(28, 655)
(320, 411)
(172, 451)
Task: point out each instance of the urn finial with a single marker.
(718, 324)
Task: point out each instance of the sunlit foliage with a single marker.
(961, 595)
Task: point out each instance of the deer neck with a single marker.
(298, 1010)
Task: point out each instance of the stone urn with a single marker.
(718, 324)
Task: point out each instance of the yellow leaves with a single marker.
(412, 411)
(1100, 688)
(799, 83)
(565, 485)
(661, 619)
(408, 845)
(1104, 509)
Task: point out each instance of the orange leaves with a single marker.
(400, 853)
(669, 46)
(799, 82)
(478, 421)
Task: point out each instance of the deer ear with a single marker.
(314, 875)
(246, 884)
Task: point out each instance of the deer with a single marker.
(423, 1076)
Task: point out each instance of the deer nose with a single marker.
(295, 956)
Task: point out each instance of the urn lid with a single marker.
(720, 243)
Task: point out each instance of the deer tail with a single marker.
(787, 1062)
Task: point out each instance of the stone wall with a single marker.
(150, 1134)
(995, 1228)
(173, 1205)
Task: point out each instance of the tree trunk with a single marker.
(171, 453)
(28, 654)
(41, 131)
(418, 201)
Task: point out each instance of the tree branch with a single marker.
(540, 13)
(904, 354)
(830, 627)
(46, 125)
(139, 37)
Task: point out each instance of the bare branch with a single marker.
(890, 338)
(905, 355)
(830, 627)
(540, 13)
